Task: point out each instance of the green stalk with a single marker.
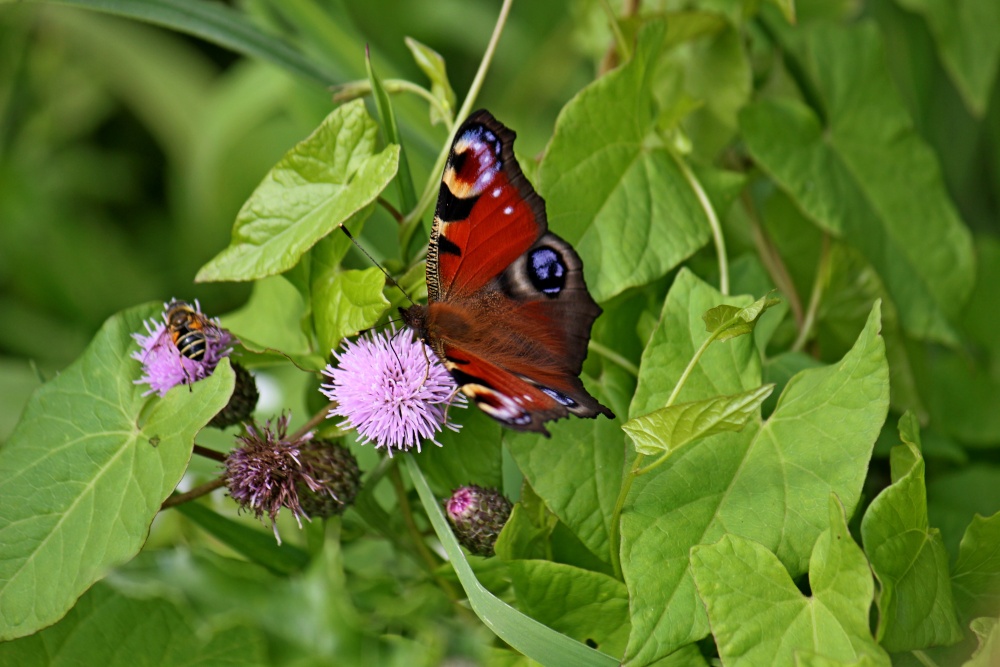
(412, 219)
(819, 284)
(713, 221)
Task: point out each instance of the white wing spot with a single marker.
(496, 192)
(508, 210)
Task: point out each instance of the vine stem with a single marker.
(771, 259)
(196, 492)
(434, 179)
(819, 284)
(713, 221)
(210, 453)
(418, 540)
(314, 421)
(611, 355)
(637, 469)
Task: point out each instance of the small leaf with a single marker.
(347, 303)
(729, 322)
(432, 64)
(522, 538)
(404, 180)
(916, 609)
(668, 428)
(988, 652)
(759, 616)
(87, 469)
(322, 182)
(110, 629)
(976, 580)
(455, 462)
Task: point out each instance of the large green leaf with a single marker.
(324, 180)
(968, 43)
(868, 177)
(770, 483)
(110, 629)
(577, 473)
(759, 616)
(87, 469)
(347, 302)
(916, 609)
(587, 606)
(471, 455)
(615, 191)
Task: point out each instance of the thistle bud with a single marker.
(477, 515)
(334, 479)
(243, 401)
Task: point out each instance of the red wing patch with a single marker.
(487, 213)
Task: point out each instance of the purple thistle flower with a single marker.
(164, 366)
(268, 471)
(392, 389)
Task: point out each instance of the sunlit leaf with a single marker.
(320, 183)
(87, 469)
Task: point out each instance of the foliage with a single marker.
(786, 210)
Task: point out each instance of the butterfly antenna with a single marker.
(387, 276)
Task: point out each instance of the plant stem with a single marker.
(713, 221)
(210, 453)
(819, 284)
(196, 492)
(434, 179)
(418, 539)
(771, 259)
(624, 49)
(396, 215)
(611, 355)
(313, 422)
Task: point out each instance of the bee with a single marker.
(189, 330)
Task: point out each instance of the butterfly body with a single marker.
(508, 310)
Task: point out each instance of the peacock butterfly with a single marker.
(507, 308)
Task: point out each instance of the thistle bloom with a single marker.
(392, 389)
(163, 365)
(310, 477)
(477, 515)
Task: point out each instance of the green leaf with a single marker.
(521, 632)
(579, 478)
(729, 322)
(953, 498)
(758, 615)
(282, 329)
(967, 43)
(216, 23)
(471, 455)
(730, 368)
(347, 303)
(769, 483)
(432, 64)
(916, 609)
(587, 606)
(976, 579)
(404, 180)
(988, 653)
(868, 178)
(668, 428)
(110, 629)
(525, 536)
(612, 189)
(87, 469)
(257, 545)
(319, 184)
